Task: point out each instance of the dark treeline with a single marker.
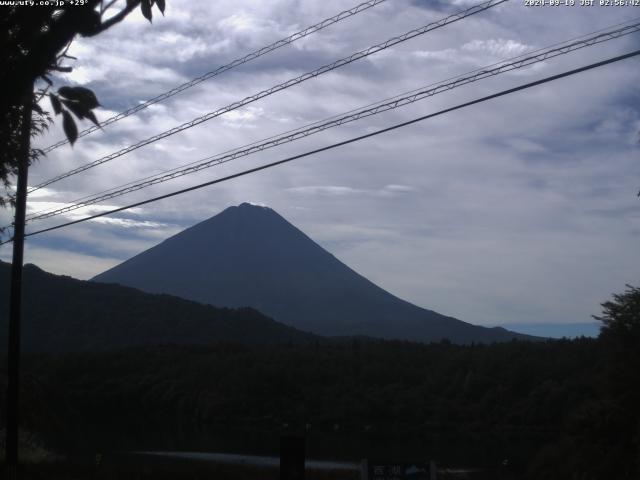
(553, 409)
(62, 314)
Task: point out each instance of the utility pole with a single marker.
(15, 301)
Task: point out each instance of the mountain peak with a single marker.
(249, 207)
(253, 205)
(245, 209)
(250, 256)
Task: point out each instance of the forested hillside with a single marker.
(529, 403)
(62, 314)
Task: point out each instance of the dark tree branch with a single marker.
(104, 8)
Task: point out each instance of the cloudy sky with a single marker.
(518, 210)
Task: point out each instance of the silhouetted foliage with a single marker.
(555, 410)
(33, 45)
(620, 335)
(621, 317)
(603, 433)
(462, 405)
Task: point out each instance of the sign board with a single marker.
(398, 471)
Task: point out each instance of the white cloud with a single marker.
(446, 55)
(500, 47)
(243, 117)
(521, 209)
(398, 188)
(337, 190)
(128, 223)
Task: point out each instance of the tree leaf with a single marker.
(69, 126)
(80, 111)
(82, 95)
(161, 5)
(55, 103)
(77, 109)
(145, 6)
(92, 116)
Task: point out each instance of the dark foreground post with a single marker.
(292, 454)
(15, 301)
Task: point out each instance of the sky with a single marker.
(521, 210)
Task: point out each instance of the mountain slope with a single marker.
(251, 256)
(64, 314)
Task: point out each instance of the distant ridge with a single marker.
(62, 314)
(557, 330)
(249, 255)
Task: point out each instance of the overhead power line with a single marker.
(282, 86)
(622, 27)
(345, 142)
(383, 106)
(235, 63)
